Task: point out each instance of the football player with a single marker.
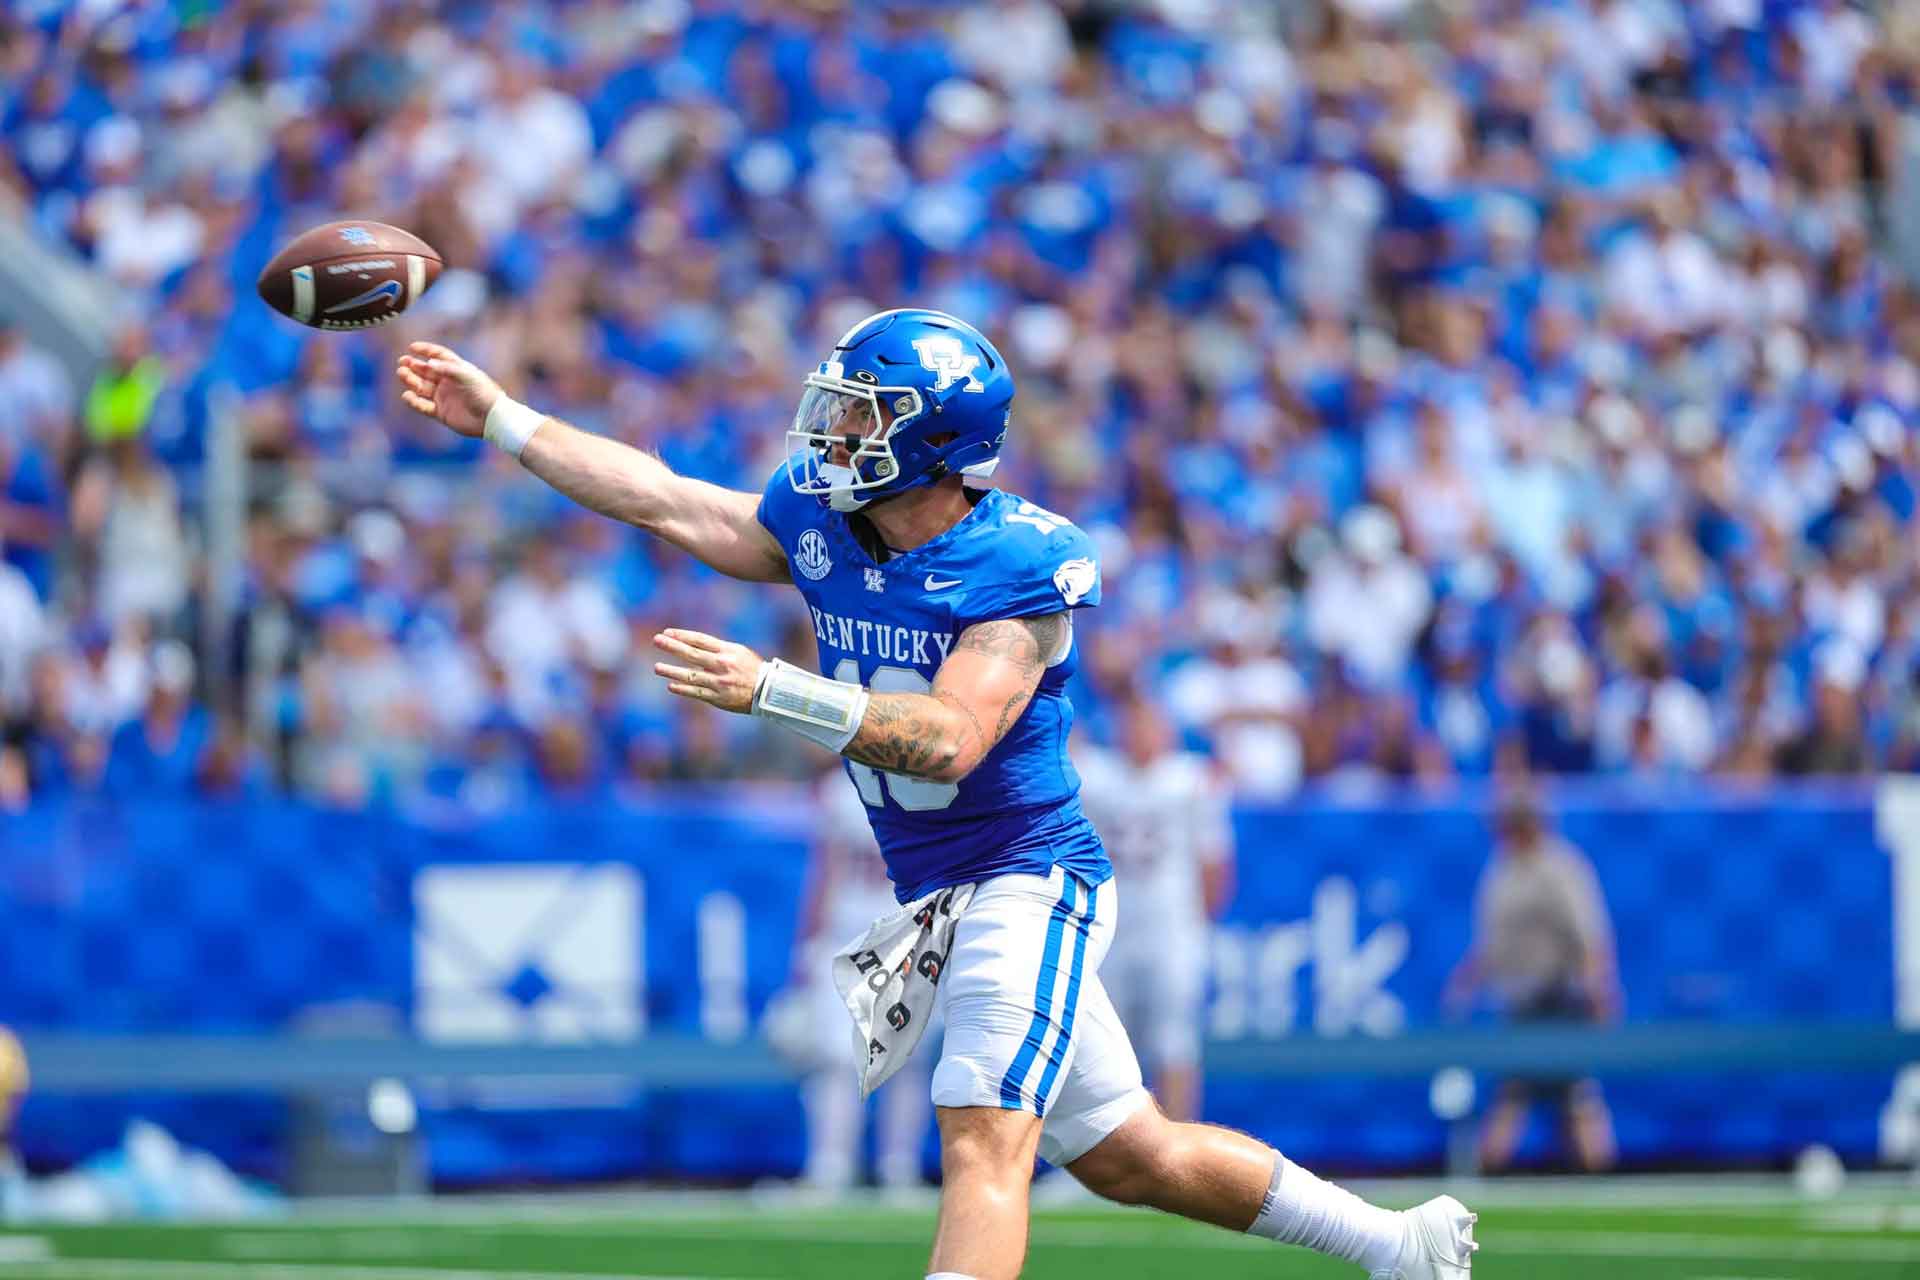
(1162, 814)
(944, 615)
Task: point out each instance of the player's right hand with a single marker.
(438, 382)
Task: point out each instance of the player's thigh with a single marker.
(1023, 954)
(1103, 1088)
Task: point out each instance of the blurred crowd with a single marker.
(1450, 388)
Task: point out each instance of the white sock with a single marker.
(1304, 1210)
(948, 1275)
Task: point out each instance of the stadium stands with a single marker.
(1553, 331)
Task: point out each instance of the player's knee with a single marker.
(1127, 1184)
(987, 1146)
(1137, 1162)
(1138, 1176)
(983, 1180)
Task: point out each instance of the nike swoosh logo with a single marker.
(385, 289)
(934, 584)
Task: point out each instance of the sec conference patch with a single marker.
(811, 555)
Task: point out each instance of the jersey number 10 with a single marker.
(914, 794)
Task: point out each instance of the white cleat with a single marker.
(1439, 1243)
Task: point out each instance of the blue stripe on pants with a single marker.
(1042, 998)
(1083, 925)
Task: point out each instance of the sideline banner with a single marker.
(676, 911)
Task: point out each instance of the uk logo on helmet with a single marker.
(811, 555)
(943, 354)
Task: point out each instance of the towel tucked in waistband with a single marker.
(889, 977)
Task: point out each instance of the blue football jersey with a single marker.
(889, 626)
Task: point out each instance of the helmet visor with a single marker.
(841, 434)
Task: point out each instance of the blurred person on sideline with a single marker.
(1543, 943)
(847, 887)
(1162, 814)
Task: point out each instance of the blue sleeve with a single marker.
(1039, 572)
(779, 512)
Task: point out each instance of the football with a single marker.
(349, 275)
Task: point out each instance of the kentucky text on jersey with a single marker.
(889, 625)
(881, 640)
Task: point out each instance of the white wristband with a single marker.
(821, 710)
(511, 424)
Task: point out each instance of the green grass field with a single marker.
(1660, 1230)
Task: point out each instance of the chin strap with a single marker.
(821, 710)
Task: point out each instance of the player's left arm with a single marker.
(943, 735)
(978, 693)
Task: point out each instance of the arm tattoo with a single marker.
(1011, 712)
(899, 735)
(902, 732)
(1025, 642)
(973, 721)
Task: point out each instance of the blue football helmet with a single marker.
(905, 398)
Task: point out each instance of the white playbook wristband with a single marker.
(511, 424)
(821, 710)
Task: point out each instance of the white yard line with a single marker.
(1654, 1244)
(1146, 1230)
(141, 1269)
(1139, 1228)
(1762, 1195)
(1738, 1194)
(1091, 1235)
(333, 1246)
(1863, 1217)
(26, 1257)
(1147, 1233)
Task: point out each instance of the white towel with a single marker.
(889, 977)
